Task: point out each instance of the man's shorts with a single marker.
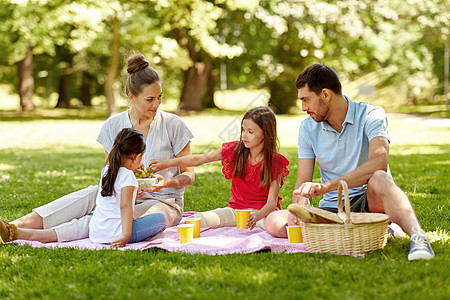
(357, 204)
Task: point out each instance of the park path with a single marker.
(413, 118)
(222, 128)
(207, 130)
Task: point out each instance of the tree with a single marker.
(282, 38)
(59, 29)
(26, 81)
(113, 66)
(197, 76)
(23, 33)
(263, 44)
(81, 42)
(65, 65)
(193, 25)
(418, 39)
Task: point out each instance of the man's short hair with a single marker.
(319, 77)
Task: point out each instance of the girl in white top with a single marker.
(112, 221)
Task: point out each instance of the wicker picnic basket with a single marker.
(368, 233)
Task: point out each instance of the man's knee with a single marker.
(380, 180)
(379, 189)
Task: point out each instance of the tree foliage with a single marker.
(79, 47)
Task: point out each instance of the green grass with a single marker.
(43, 159)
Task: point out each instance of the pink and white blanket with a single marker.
(212, 241)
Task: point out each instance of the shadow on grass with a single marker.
(30, 178)
(93, 113)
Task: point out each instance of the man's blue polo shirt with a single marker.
(340, 153)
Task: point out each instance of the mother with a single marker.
(166, 135)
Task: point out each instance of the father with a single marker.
(350, 141)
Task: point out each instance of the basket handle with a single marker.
(343, 186)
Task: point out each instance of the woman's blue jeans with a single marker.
(147, 226)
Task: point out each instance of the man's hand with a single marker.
(297, 199)
(310, 189)
(292, 219)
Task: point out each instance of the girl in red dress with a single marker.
(256, 169)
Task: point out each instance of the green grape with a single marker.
(147, 173)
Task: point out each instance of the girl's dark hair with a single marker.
(140, 74)
(319, 77)
(128, 142)
(264, 117)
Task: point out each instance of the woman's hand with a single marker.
(254, 217)
(157, 165)
(162, 183)
(140, 194)
(120, 242)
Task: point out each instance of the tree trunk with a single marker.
(65, 81)
(26, 81)
(208, 101)
(113, 67)
(196, 77)
(195, 84)
(282, 96)
(86, 89)
(65, 77)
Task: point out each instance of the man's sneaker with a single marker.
(420, 247)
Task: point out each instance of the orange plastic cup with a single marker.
(242, 216)
(196, 222)
(294, 234)
(186, 232)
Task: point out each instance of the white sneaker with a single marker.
(396, 231)
(420, 247)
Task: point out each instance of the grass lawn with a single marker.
(45, 158)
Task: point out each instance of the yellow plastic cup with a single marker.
(294, 234)
(242, 216)
(196, 222)
(186, 232)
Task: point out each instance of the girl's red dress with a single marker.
(248, 193)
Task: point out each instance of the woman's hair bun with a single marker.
(136, 62)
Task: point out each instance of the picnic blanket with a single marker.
(212, 241)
